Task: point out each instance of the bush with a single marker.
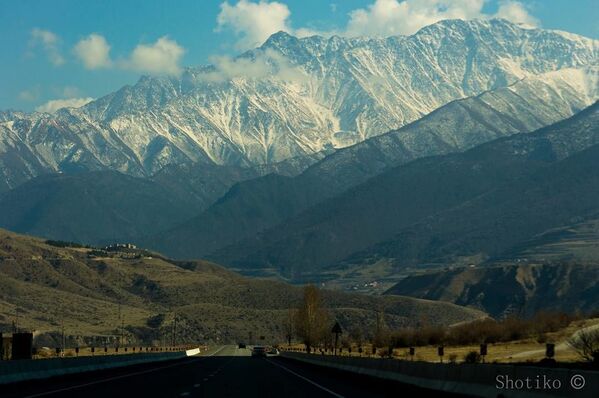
(61, 243)
(155, 321)
(487, 331)
(586, 344)
(472, 357)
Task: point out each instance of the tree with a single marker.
(586, 343)
(312, 319)
(288, 325)
(381, 336)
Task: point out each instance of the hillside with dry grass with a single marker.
(44, 287)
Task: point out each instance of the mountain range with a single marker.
(289, 98)
(462, 143)
(254, 205)
(437, 209)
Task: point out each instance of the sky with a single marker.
(68, 52)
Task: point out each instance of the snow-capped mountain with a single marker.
(291, 98)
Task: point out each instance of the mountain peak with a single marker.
(278, 39)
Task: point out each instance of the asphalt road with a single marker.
(225, 372)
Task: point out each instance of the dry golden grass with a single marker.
(54, 287)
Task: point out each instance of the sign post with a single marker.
(550, 350)
(483, 351)
(337, 330)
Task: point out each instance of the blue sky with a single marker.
(69, 51)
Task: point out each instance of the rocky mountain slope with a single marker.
(511, 289)
(187, 192)
(289, 98)
(94, 207)
(88, 290)
(437, 209)
(255, 205)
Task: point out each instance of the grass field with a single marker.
(45, 289)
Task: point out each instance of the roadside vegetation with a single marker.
(512, 339)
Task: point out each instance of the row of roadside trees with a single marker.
(311, 323)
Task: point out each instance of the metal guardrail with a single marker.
(24, 370)
(482, 380)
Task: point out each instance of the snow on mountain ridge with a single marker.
(294, 97)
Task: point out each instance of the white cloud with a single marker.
(93, 51)
(54, 105)
(393, 17)
(516, 12)
(405, 17)
(49, 41)
(252, 22)
(162, 57)
(266, 64)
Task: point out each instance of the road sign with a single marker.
(337, 328)
(550, 350)
(483, 349)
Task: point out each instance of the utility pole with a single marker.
(63, 338)
(120, 326)
(15, 322)
(174, 330)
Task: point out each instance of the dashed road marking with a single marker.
(196, 359)
(305, 379)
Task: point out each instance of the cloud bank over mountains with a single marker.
(54, 105)
(254, 22)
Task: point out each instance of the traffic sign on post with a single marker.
(550, 350)
(483, 351)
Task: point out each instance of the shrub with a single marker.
(472, 357)
(586, 344)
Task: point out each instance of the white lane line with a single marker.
(184, 394)
(92, 383)
(305, 379)
(196, 385)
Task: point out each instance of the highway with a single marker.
(225, 371)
